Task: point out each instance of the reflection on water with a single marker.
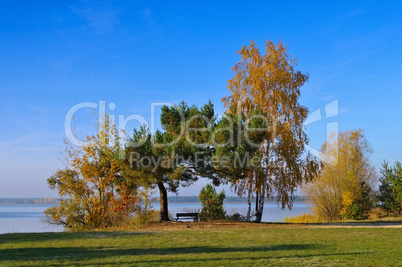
(24, 218)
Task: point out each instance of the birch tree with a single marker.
(271, 83)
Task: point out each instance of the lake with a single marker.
(26, 218)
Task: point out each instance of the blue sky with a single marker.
(56, 54)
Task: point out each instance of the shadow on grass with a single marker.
(61, 236)
(81, 255)
(49, 253)
(231, 259)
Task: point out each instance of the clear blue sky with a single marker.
(56, 54)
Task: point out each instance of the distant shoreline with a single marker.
(34, 201)
(171, 199)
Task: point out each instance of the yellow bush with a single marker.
(146, 217)
(304, 218)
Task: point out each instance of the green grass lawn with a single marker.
(253, 246)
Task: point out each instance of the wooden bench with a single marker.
(187, 215)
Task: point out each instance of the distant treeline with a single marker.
(228, 199)
(8, 201)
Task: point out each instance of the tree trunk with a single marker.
(249, 198)
(256, 200)
(257, 211)
(258, 218)
(164, 213)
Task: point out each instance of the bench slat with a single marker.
(187, 215)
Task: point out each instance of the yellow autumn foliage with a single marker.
(94, 195)
(346, 166)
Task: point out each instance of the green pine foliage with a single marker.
(361, 207)
(212, 203)
(390, 195)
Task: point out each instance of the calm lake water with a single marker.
(25, 218)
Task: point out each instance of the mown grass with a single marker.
(252, 246)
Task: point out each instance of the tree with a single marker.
(270, 84)
(212, 203)
(94, 194)
(239, 162)
(343, 188)
(170, 158)
(362, 204)
(390, 191)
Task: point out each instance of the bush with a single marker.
(378, 213)
(361, 207)
(135, 222)
(146, 218)
(304, 218)
(212, 204)
(237, 217)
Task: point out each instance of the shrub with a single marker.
(378, 213)
(304, 218)
(237, 217)
(361, 207)
(146, 218)
(212, 203)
